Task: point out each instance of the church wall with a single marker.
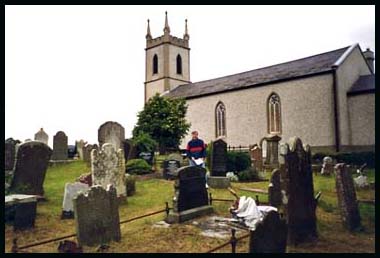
(159, 51)
(153, 87)
(361, 109)
(347, 73)
(173, 52)
(174, 83)
(306, 109)
(156, 86)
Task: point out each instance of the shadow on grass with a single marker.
(327, 207)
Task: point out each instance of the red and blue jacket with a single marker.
(196, 148)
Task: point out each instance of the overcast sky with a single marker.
(72, 68)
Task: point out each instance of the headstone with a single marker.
(79, 145)
(220, 182)
(274, 189)
(147, 156)
(361, 181)
(256, 156)
(298, 191)
(271, 159)
(130, 151)
(218, 158)
(111, 132)
(59, 146)
(32, 160)
(170, 168)
(347, 197)
(87, 152)
(327, 166)
(176, 156)
(130, 184)
(190, 195)
(269, 235)
(71, 190)
(96, 215)
(21, 209)
(41, 136)
(108, 167)
(71, 151)
(10, 153)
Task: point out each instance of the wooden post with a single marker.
(233, 240)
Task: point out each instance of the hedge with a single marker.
(138, 166)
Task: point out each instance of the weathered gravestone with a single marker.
(274, 189)
(96, 215)
(111, 132)
(130, 151)
(327, 166)
(32, 160)
(347, 197)
(108, 167)
(218, 158)
(41, 136)
(271, 160)
(71, 190)
(270, 235)
(361, 181)
(170, 168)
(221, 182)
(21, 209)
(130, 183)
(10, 153)
(87, 152)
(297, 179)
(147, 156)
(176, 156)
(256, 154)
(79, 146)
(190, 195)
(59, 146)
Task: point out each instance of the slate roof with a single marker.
(301, 67)
(365, 84)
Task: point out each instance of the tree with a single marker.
(144, 143)
(164, 120)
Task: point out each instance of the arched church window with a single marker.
(179, 64)
(274, 114)
(155, 64)
(220, 119)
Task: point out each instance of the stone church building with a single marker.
(328, 99)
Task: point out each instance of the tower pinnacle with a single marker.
(166, 28)
(186, 35)
(148, 35)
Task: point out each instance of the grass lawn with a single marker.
(151, 194)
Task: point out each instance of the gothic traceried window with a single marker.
(179, 64)
(274, 114)
(155, 64)
(220, 119)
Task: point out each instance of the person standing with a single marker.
(196, 151)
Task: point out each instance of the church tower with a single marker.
(167, 61)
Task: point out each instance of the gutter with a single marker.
(336, 114)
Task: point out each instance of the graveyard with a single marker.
(149, 234)
(284, 161)
(124, 196)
